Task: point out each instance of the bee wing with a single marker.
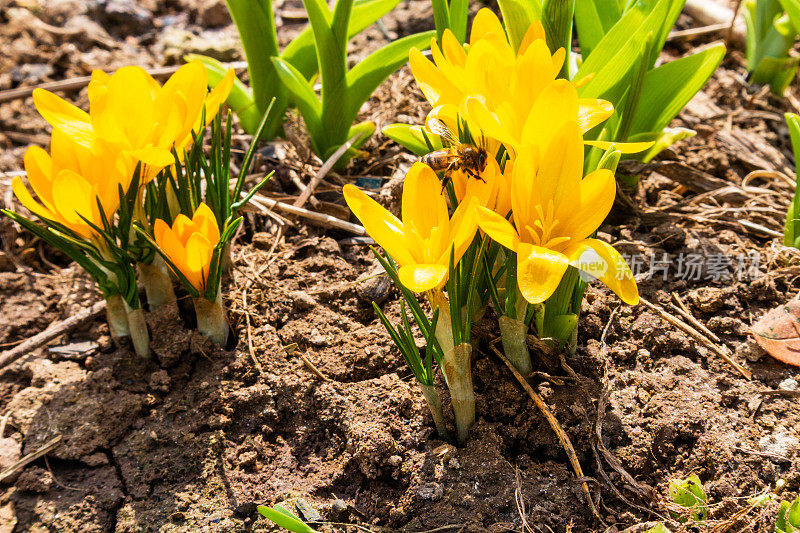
(439, 128)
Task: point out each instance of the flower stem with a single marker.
(211, 319)
(117, 317)
(456, 368)
(458, 375)
(157, 283)
(513, 333)
(435, 406)
(139, 334)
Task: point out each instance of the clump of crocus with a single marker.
(555, 212)
(78, 192)
(190, 248)
(503, 94)
(89, 191)
(426, 245)
(133, 116)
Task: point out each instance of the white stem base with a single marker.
(211, 319)
(514, 335)
(157, 283)
(117, 317)
(435, 406)
(139, 334)
(458, 375)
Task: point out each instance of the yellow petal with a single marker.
(423, 207)
(56, 110)
(421, 278)
(217, 96)
(74, 197)
(39, 168)
(561, 170)
(183, 227)
(198, 260)
(25, 198)
(557, 103)
(597, 193)
(159, 229)
(593, 111)
(539, 271)
(173, 249)
(484, 23)
(206, 223)
(453, 50)
(379, 223)
(460, 231)
(535, 32)
(524, 191)
(602, 261)
(128, 115)
(154, 157)
(434, 85)
(488, 122)
(498, 228)
(503, 202)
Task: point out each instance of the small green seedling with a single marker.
(689, 494)
(788, 520)
(658, 528)
(285, 518)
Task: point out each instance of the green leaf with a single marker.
(778, 72)
(621, 33)
(441, 17)
(792, 8)
(630, 104)
(557, 21)
(256, 24)
(240, 99)
(792, 228)
(304, 96)
(518, 15)
(341, 21)
(367, 75)
(408, 136)
(663, 139)
(668, 88)
(689, 493)
(285, 519)
(664, 25)
(593, 19)
(301, 52)
(459, 9)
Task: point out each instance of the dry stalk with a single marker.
(696, 335)
(562, 436)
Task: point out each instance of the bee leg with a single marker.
(476, 176)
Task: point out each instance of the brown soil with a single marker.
(192, 439)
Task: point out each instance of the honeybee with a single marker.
(469, 158)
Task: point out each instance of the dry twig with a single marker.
(31, 457)
(8, 357)
(323, 171)
(696, 335)
(78, 83)
(563, 438)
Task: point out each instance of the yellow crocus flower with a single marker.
(555, 210)
(422, 242)
(189, 244)
(500, 91)
(133, 114)
(492, 190)
(71, 180)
